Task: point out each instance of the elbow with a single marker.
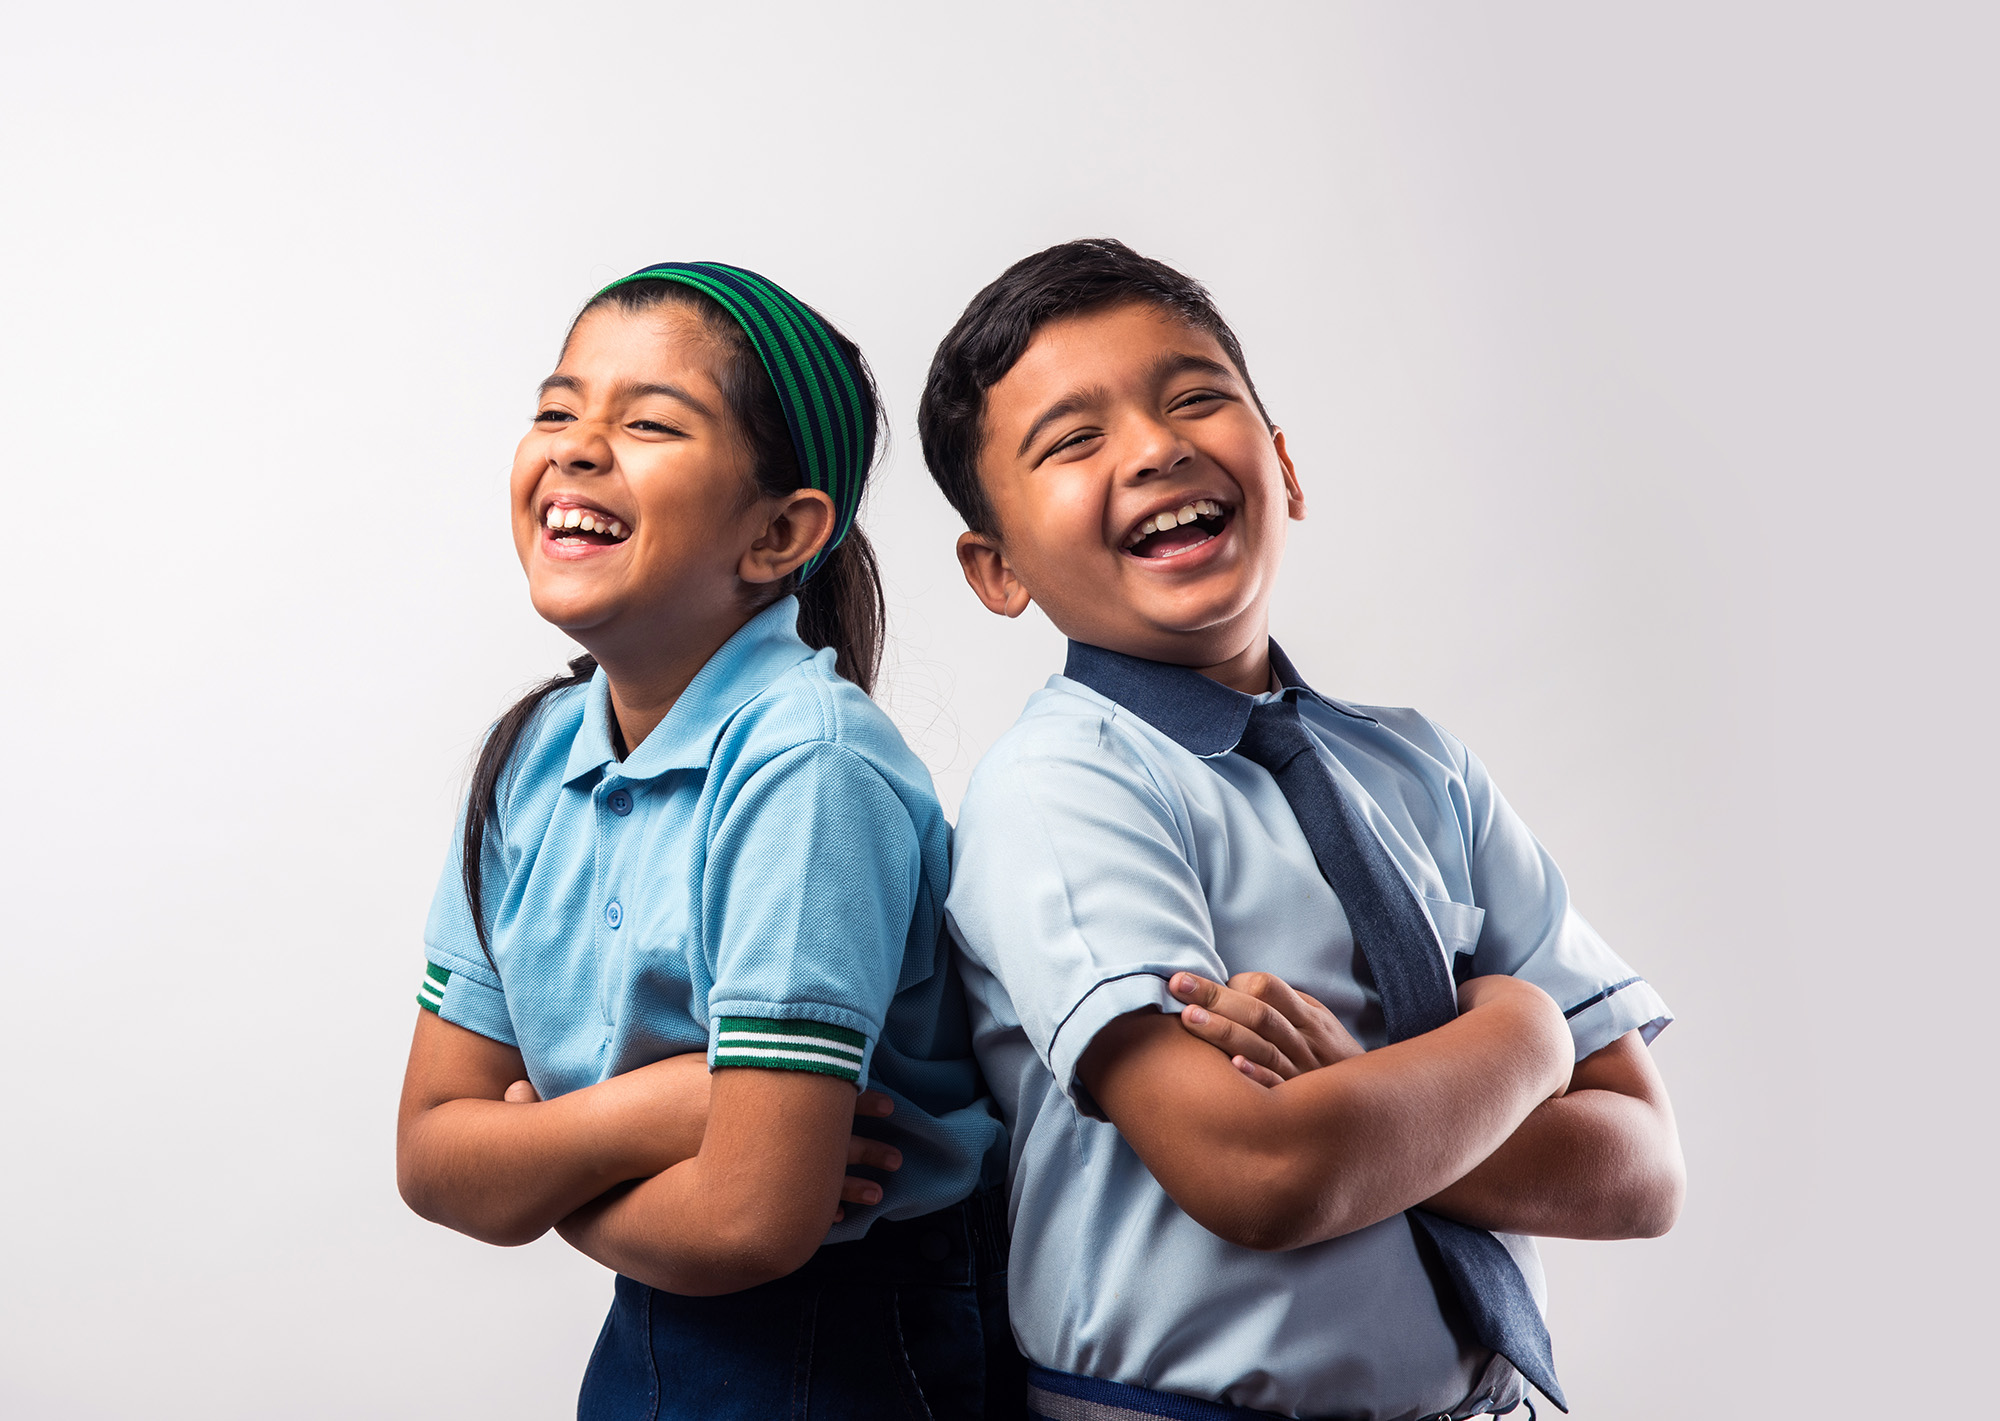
(1279, 1203)
(427, 1198)
(737, 1253)
(1656, 1207)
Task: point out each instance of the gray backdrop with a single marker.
(1639, 362)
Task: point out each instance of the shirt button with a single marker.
(620, 802)
(613, 914)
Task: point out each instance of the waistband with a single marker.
(954, 1246)
(1058, 1396)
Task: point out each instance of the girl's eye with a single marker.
(653, 426)
(552, 416)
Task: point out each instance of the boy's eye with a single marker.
(552, 416)
(1199, 397)
(652, 426)
(1072, 441)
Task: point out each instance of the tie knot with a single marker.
(1275, 736)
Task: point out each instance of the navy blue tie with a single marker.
(1401, 949)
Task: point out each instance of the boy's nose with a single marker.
(1157, 448)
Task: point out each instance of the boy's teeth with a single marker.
(572, 518)
(1175, 517)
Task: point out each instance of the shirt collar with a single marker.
(763, 649)
(1201, 715)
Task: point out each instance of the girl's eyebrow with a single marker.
(671, 392)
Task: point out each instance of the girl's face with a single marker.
(632, 494)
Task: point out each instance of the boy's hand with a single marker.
(1269, 1029)
(860, 1149)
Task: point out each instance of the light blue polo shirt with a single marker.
(762, 879)
(1105, 844)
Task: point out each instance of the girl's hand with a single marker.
(1270, 1030)
(860, 1149)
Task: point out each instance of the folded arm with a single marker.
(504, 1167)
(752, 1204)
(1337, 1148)
(1601, 1161)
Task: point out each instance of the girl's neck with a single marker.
(648, 673)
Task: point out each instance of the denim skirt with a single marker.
(909, 1321)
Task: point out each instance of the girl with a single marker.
(695, 903)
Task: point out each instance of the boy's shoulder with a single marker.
(1068, 723)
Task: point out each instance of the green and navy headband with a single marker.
(820, 391)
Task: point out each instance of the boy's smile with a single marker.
(1138, 495)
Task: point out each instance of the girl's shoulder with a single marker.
(812, 705)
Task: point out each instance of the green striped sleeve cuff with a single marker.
(430, 991)
(789, 1046)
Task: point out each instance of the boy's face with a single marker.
(1110, 422)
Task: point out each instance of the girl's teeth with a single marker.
(554, 518)
(561, 520)
(572, 518)
(617, 529)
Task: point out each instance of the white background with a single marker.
(1640, 364)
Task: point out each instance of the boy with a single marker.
(1288, 1013)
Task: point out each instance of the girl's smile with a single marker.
(632, 493)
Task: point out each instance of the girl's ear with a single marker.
(988, 575)
(798, 528)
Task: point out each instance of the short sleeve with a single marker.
(1073, 887)
(814, 869)
(1532, 931)
(459, 984)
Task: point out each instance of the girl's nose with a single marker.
(581, 448)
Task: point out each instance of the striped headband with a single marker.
(820, 391)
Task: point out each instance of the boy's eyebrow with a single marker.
(1182, 362)
(671, 392)
(1077, 399)
(1170, 364)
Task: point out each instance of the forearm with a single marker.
(505, 1173)
(1335, 1149)
(753, 1205)
(1602, 1162)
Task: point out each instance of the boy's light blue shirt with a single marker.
(1100, 850)
(772, 854)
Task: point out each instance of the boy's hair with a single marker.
(1067, 280)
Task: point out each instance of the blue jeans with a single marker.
(908, 1321)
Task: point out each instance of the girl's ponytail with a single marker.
(484, 795)
(842, 607)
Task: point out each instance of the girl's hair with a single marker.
(841, 607)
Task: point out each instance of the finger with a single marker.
(1256, 1072)
(1262, 1019)
(520, 1093)
(860, 1191)
(1234, 1039)
(1322, 1040)
(1190, 987)
(874, 1104)
(861, 1150)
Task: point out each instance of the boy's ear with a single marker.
(986, 572)
(1295, 496)
(798, 528)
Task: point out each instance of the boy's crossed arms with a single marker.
(1287, 1133)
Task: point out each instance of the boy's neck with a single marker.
(1249, 671)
